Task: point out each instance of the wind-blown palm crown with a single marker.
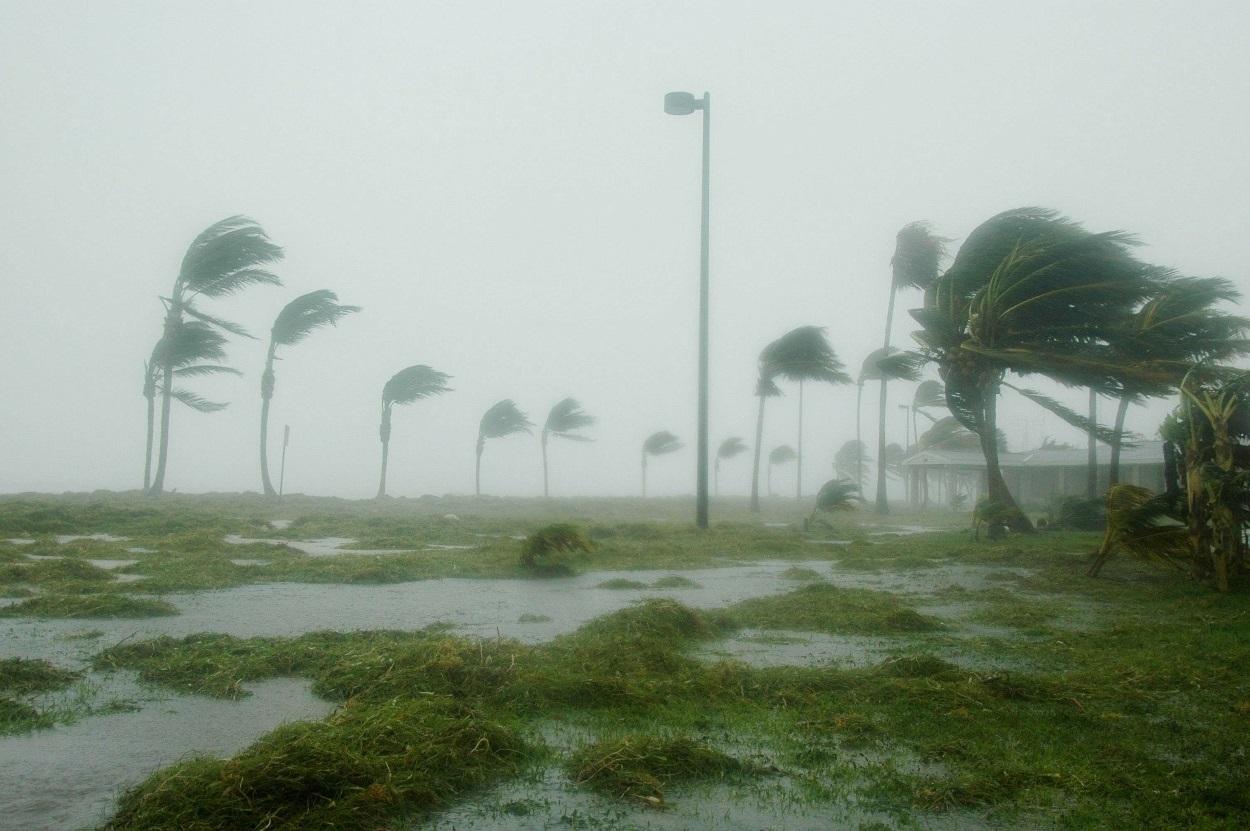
(729, 448)
(297, 320)
(660, 443)
(504, 418)
(850, 460)
(564, 421)
(918, 255)
(781, 454)
(411, 384)
(837, 495)
(884, 364)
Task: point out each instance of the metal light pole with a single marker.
(683, 103)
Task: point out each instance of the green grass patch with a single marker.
(675, 581)
(801, 574)
(89, 606)
(530, 617)
(19, 717)
(822, 607)
(639, 767)
(621, 583)
(24, 676)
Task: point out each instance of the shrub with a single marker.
(545, 550)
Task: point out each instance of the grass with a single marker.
(621, 583)
(640, 767)
(89, 606)
(822, 607)
(24, 676)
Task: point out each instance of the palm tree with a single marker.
(191, 353)
(224, 259)
(918, 255)
(563, 422)
(802, 354)
(885, 364)
(1030, 292)
(729, 448)
(503, 418)
(657, 444)
(297, 320)
(929, 395)
(835, 496)
(849, 461)
(406, 386)
(765, 387)
(779, 455)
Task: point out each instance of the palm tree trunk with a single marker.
(172, 319)
(995, 484)
(266, 393)
(859, 444)
(798, 479)
(1171, 474)
(147, 458)
(546, 494)
(384, 433)
(755, 468)
(883, 506)
(477, 473)
(1091, 444)
(1113, 475)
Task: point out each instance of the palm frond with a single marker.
(200, 370)
(660, 443)
(566, 418)
(227, 257)
(232, 328)
(803, 354)
(1106, 435)
(730, 447)
(782, 454)
(837, 495)
(929, 394)
(197, 402)
(307, 313)
(918, 255)
(414, 383)
(504, 418)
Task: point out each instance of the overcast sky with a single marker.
(498, 186)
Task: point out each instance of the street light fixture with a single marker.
(684, 103)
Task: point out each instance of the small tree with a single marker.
(563, 422)
(503, 419)
(782, 454)
(729, 448)
(406, 386)
(657, 444)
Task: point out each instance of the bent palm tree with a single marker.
(917, 258)
(297, 320)
(563, 422)
(503, 419)
(406, 386)
(885, 364)
(193, 344)
(835, 496)
(780, 455)
(224, 259)
(849, 461)
(657, 444)
(729, 448)
(765, 387)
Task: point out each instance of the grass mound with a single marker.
(822, 607)
(43, 572)
(358, 768)
(621, 583)
(806, 575)
(530, 617)
(23, 676)
(17, 717)
(674, 581)
(546, 551)
(639, 767)
(89, 606)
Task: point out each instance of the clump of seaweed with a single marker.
(638, 767)
(545, 552)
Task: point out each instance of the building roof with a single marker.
(1142, 453)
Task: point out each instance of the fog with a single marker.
(498, 187)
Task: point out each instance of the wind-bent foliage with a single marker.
(1145, 525)
(836, 496)
(779, 455)
(224, 259)
(885, 364)
(297, 320)
(406, 386)
(918, 255)
(730, 448)
(850, 460)
(802, 354)
(563, 422)
(657, 444)
(503, 419)
(1031, 292)
(193, 345)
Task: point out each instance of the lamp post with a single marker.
(684, 103)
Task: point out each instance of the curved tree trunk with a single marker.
(546, 494)
(266, 393)
(147, 458)
(384, 433)
(1091, 451)
(859, 444)
(883, 505)
(996, 485)
(173, 318)
(798, 479)
(755, 467)
(1113, 474)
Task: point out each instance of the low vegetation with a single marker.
(639, 768)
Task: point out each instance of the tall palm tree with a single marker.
(779, 455)
(504, 418)
(224, 259)
(802, 354)
(191, 352)
(835, 496)
(929, 395)
(406, 386)
(849, 461)
(1030, 292)
(729, 448)
(563, 422)
(297, 320)
(884, 364)
(918, 255)
(657, 444)
(765, 388)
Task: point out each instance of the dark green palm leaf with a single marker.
(227, 257)
(414, 383)
(918, 255)
(803, 354)
(566, 418)
(661, 443)
(1104, 434)
(503, 418)
(730, 447)
(782, 454)
(307, 313)
(197, 402)
(837, 495)
(930, 394)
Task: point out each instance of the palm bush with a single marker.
(836, 496)
(411, 384)
(657, 444)
(297, 320)
(502, 419)
(564, 421)
(730, 448)
(782, 454)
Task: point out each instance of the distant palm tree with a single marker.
(657, 444)
(765, 387)
(929, 395)
(193, 348)
(885, 364)
(835, 496)
(226, 258)
(503, 418)
(779, 455)
(563, 422)
(729, 448)
(297, 320)
(406, 386)
(850, 460)
(802, 354)
(918, 255)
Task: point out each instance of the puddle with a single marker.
(903, 530)
(323, 547)
(19, 541)
(830, 542)
(280, 524)
(68, 776)
(776, 647)
(112, 564)
(243, 561)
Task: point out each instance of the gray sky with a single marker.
(498, 186)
